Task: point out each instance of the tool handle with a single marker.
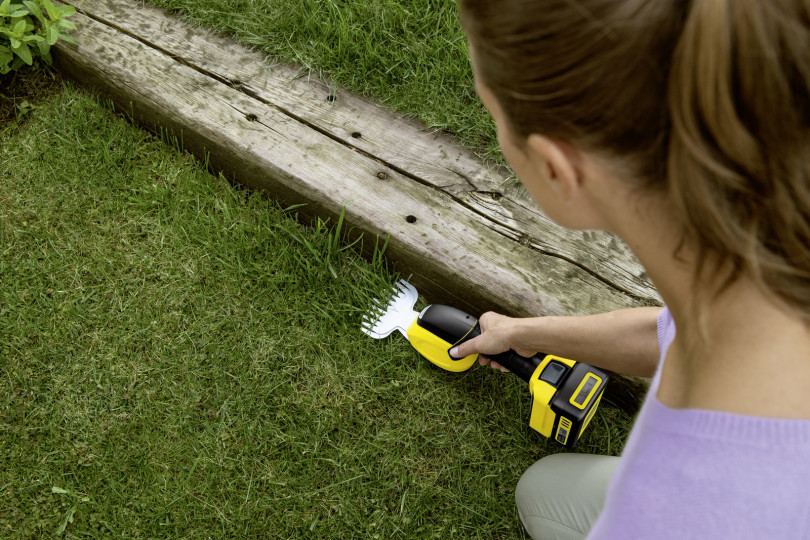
(521, 366)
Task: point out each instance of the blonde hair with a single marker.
(707, 101)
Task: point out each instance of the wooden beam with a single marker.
(458, 228)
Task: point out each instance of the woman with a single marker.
(682, 127)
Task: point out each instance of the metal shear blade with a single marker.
(396, 313)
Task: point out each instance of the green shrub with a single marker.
(28, 30)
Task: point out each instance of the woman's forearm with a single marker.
(623, 341)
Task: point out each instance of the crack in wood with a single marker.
(527, 241)
(464, 177)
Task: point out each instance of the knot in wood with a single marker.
(494, 195)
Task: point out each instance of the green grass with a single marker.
(412, 56)
(180, 358)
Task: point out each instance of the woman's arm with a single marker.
(623, 341)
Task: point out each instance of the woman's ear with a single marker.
(561, 162)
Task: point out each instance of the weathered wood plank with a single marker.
(457, 255)
(429, 157)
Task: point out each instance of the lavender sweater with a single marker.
(688, 473)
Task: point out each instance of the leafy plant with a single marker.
(28, 30)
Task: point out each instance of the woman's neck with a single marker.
(744, 355)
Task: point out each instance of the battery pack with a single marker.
(565, 396)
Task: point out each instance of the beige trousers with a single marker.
(560, 496)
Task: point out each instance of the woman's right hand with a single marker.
(497, 336)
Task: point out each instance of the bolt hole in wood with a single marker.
(251, 117)
(357, 135)
(410, 219)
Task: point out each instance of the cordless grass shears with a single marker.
(565, 393)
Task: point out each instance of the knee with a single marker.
(536, 487)
(538, 501)
(561, 495)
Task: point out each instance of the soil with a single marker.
(23, 89)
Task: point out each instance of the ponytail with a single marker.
(738, 164)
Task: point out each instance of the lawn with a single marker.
(181, 358)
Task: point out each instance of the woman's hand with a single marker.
(497, 336)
